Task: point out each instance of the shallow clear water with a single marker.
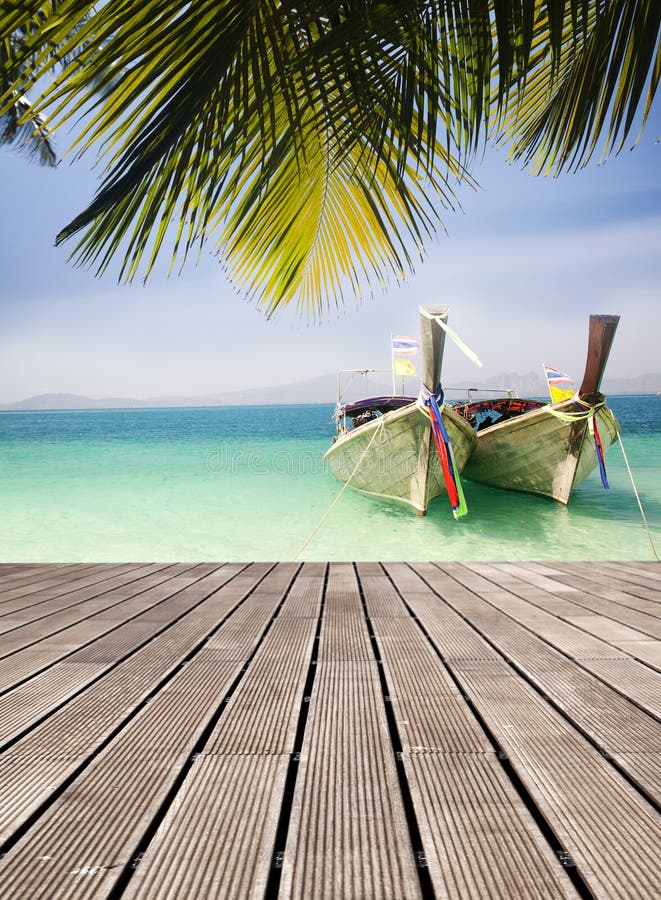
(249, 483)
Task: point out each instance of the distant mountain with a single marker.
(316, 390)
(640, 384)
(71, 401)
(322, 390)
(533, 385)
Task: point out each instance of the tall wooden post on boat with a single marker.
(432, 344)
(600, 340)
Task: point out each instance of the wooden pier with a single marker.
(330, 731)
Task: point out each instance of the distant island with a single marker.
(318, 390)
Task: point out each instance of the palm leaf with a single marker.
(25, 132)
(598, 89)
(315, 142)
(324, 228)
(20, 126)
(177, 133)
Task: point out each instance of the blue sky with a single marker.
(523, 264)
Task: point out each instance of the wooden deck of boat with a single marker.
(339, 731)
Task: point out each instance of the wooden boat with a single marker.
(390, 452)
(548, 449)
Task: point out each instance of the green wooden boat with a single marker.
(389, 451)
(540, 448)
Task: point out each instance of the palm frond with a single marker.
(325, 228)
(315, 141)
(180, 131)
(20, 126)
(599, 89)
(25, 132)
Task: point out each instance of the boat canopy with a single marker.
(483, 413)
(376, 404)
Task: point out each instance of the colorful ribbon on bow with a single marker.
(594, 431)
(589, 412)
(432, 405)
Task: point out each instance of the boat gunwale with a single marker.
(544, 410)
(393, 415)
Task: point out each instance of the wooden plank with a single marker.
(610, 831)
(219, 841)
(479, 839)
(12, 573)
(44, 757)
(125, 784)
(430, 712)
(461, 795)
(381, 598)
(348, 834)
(632, 679)
(607, 629)
(641, 581)
(262, 715)
(30, 701)
(573, 641)
(347, 791)
(648, 652)
(445, 627)
(237, 638)
(612, 834)
(8, 568)
(637, 614)
(647, 574)
(42, 624)
(589, 581)
(614, 724)
(304, 599)
(33, 659)
(613, 666)
(55, 586)
(86, 779)
(66, 853)
(37, 608)
(226, 815)
(31, 579)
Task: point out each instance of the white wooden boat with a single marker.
(390, 452)
(548, 449)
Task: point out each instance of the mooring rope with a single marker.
(346, 484)
(640, 505)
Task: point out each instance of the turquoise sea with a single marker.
(249, 483)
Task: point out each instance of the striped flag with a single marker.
(404, 346)
(561, 386)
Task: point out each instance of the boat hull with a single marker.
(394, 457)
(540, 453)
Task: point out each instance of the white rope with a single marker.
(346, 484)
(640, 505)
(589, 410)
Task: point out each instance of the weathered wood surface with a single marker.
(539, 453)
(394, 456)
(262, 730)
(542, 454)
